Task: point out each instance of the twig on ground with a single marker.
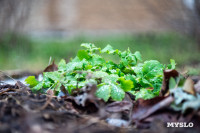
(166, 102)
(9, 89)
(8, 75)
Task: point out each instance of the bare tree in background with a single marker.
(176, 15)
(197, 7)
(197, 28)
(13, 15)
(172, 14)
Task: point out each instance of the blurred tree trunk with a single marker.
(197, 30)
(13, 15)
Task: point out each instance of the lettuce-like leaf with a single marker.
(152, 69)
(143, 93)
(117, 93)
(104, 92)
(62, 65)
(172, 64)
(126, 85)
(108, 49)
(31, 81)
(82, 54)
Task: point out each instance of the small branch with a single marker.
(167, 101)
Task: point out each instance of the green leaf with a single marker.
(138, 70)
(87, 67)
(138, 55)
(126, 85)
(100, 74)
(38, 87)
(55, 76)
(123, 54)
(110, 65)
(104, 92)
(82, 54)
(108, 49)
(96, 60)
(91, 47)
(128, 70)
(77, 64)
(117, 93)
(46, 82)
(145, 83)
(31, 81)
(152, 69)
(57, 87)
(124, 61)
(110, 78)
(172, 83)
(172, 64)
(144, 94)
(133, 79)
(62, 65)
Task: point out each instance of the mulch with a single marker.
(22, 111)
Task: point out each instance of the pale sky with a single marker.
(189, 3)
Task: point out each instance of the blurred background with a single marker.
(32, 31)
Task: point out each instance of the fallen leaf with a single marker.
(180, 96)
(193, 104)
(119, 106)
(85, 100)
(189, 86)
(184, 101)
(51, 68)
(197, 87)
(142, 106)
(165, 85)
(162, 104)
(146, 111)
(50, 92)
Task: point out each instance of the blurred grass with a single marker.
(34, 54)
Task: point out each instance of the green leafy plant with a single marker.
(112, 79)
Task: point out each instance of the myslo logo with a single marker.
(179, 124)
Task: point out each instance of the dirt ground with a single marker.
(21, 111)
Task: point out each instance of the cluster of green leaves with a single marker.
(112, 79)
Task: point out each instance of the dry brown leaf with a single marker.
(51, 68)
(119, 106)
(142, 106)
(189, 86)
(197, 87)
(165, 85)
